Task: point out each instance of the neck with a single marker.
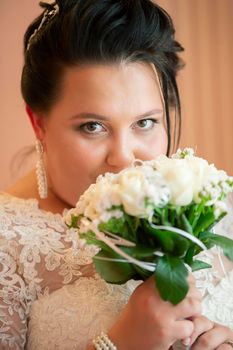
(26, 188)
(53, 203)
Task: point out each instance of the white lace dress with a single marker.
(50, 297)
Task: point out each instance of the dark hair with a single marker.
(100, 31)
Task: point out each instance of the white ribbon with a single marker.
(129, 258)
(119, 240)
(181, 233)
(116, 240)
(121, 260)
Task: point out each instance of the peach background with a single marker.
(205, 28)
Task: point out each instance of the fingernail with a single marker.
(186, 342)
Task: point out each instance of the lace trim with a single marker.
(37, 255)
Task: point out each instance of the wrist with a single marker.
(119, 338)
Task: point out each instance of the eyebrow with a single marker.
(103, 117)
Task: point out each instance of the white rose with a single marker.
(156, 190)
(179, 177)
(142, 188)
(200, 169)
(131, 187)
(103, 196)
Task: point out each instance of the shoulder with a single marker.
(20, 217)
(13, 213)
(31, 242)
(27, 234)
(36, 241)
(12, 206)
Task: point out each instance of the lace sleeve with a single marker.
(38, 255)
(13, 299)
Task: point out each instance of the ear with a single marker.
(37, 123)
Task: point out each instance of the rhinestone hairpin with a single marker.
(48, 15)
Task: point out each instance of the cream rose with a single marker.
(141, 189)
(99, 198)
(131, 188)
(179, 177)
(200, 169)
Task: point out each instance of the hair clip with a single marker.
(48, 15)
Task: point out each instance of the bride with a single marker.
(99, 87)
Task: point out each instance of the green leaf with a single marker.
(171, 278)
(168, 241)
(199, 265)
(171, 216)
(163, 239)
(114, 225)
(186, 224)
(142, 273)
(181, 245)
(132, 222)
(193, 213)
(164, 217)
(191, 252)
(111, 271)
(205, 221)
(141, 251)
(206, 238)
(210, 239)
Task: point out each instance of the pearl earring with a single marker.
(40, 171)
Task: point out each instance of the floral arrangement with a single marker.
(154, 218)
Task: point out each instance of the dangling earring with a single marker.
(40, 171)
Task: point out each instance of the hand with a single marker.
(149, 323)
(208, 335)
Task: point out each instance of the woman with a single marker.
(100, 90)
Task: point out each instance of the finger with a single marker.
(187, 308)
(191, 278)
(201, 325)
(186, 341)
(194, 292)
(191, 304)
(183, 329)
(212, 339)
(193, 287)
(225, 347)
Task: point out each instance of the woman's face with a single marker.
(107, 116)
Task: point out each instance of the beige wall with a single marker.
(15, 131)
(205, 28)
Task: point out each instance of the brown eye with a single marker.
(92, 128)
(146, 124)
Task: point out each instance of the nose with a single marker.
(121, 152)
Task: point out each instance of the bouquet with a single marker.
(154, 218)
